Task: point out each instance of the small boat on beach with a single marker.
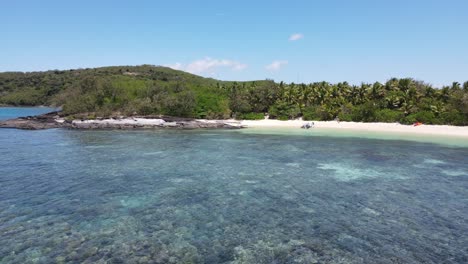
(308, 125)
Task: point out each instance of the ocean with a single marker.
(13, 112)
(228, 196)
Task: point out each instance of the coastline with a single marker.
(146, 123)
(444, 135)
(439, 130)
(53, 120)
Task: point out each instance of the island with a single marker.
(147, 96)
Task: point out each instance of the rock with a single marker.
(45, 121)
(53, 120)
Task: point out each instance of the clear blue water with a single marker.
(228, 197)
(13, 112)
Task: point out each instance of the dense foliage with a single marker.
(146, 90)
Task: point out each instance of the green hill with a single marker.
(129, 90)
(148, 90)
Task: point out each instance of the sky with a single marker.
(293, 41)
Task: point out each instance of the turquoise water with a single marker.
(13, 112)
(229, 197)
(456, 141)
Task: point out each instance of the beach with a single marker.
(271, 124)
(439, 130)
(53, 121)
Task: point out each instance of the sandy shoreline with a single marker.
(440, 130)
(51, 120)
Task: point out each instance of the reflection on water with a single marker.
(229, 197)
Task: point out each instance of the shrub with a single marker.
(346, 112)
(251, 116)
(324, 114)
(145, 107)
(310, 113)
(345, 116)
(28, 96)
(180, 104)
(283, 111)
(364, 113)
(388, 115)
(81, 104)
(211, 105)
(426, 117)
(453, 118)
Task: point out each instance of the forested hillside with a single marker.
(146, 90)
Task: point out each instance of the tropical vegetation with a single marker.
(155, 90)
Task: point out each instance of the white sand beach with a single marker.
(272, 124)
(440, 130)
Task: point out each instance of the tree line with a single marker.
(397, 100)
(151, 90)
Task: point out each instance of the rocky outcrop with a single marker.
(52, 120)
(150, 123)
(45, 121)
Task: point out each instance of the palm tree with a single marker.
(456, 86)
(376, 92)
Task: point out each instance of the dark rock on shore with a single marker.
(52, 120)
(45, 121)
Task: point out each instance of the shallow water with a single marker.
(13, 112)
(229, 197)
(457, 141)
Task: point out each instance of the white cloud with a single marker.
(276, 65)
(175, 66)
(208, 65)
(296, 36)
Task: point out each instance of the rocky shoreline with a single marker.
(53, 120)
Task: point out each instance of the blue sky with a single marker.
(295, 41)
